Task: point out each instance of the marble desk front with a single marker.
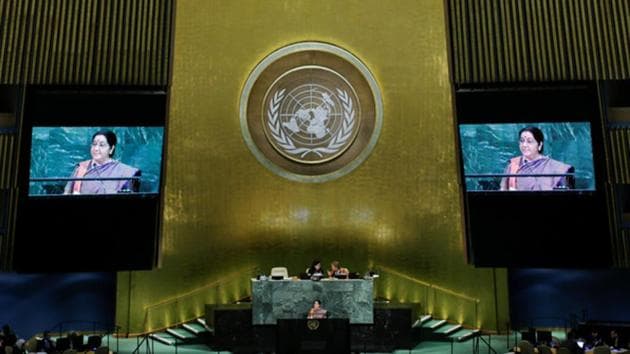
(291, 299)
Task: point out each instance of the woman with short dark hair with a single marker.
(532, 162)
(101, 168)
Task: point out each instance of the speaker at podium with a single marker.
(313, 336)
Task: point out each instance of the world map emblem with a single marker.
(314, 121)
(311, 112)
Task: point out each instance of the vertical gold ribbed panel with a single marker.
(8, 194)
(620, 155)
(7, 160)
(85, 42)
(619, 171)
(539, 40)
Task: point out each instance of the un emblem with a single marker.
(313, 325)
(311, 112)
(311, 122)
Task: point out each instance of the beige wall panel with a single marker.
(227, 218)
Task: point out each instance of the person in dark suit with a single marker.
(7, 338)
(594, 340)
(615, 340)
(571, 343)
(47, 344)
(76, 341)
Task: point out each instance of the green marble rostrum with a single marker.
(281, 299)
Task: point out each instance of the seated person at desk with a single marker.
(315, 271)
(47, 344)
(337, 271)
(8, 339)
(615, 341)
(594, 340)
(317, 312)
(571, 343)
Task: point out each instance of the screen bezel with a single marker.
(84, 107)
(499, 233)
(62, 227)
(496, 105)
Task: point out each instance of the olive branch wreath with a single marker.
(286, 143)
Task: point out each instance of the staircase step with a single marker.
(202, 321)
(420, 321)
(448, 328)
(180, 333)
(425, 318)
(459, 333)
(465, 334)
(163, 337)
(429, 323)
(194, 327)
(433, 324)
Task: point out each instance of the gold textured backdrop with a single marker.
(227, 218)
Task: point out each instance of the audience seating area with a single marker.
(72, 343)
(586, 338)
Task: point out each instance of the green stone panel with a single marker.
(282, 299)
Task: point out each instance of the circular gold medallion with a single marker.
(311, 121)
(311, 112)
(313, 325)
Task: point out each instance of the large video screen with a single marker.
(536, 157)
(70, 161)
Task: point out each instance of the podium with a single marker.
(313, 336)
(276, 299)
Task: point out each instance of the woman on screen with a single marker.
(556, 175)
(101, 168)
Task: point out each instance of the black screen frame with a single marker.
(536, 229)
(88, 232)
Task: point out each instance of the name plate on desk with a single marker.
(291, 299)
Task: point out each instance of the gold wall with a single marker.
(227, 218)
